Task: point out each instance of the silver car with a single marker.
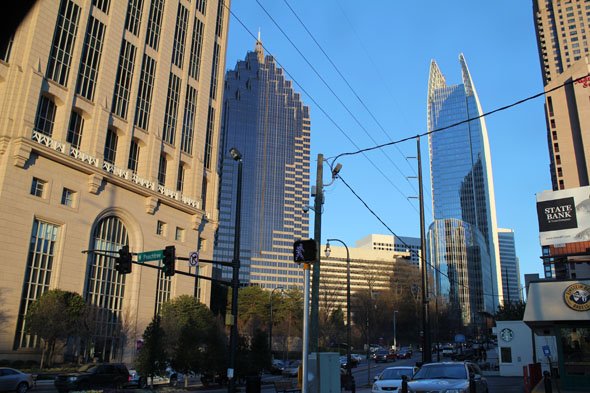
(390, 379)
(449, 377)
(14, 380)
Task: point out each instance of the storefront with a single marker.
(562, 309)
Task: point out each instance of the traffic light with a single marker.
(123, 261)
(169, 260)
(304, 251)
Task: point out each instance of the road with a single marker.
(362, 374)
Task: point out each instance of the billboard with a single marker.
(564, 216)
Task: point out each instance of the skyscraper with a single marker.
(510, 268)
(104, 144)
(265, 119)
(463, 237)
(562, 30)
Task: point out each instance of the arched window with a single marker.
(105, 289)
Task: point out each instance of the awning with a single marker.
(551, 303)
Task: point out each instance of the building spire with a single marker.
(259, 49)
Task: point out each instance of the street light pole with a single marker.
(348, 328)
(270, 325)
(394, 332)
(235, 283)
(426, 352)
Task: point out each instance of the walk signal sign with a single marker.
(304, 251)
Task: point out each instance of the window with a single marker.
(37, 276)
(552, 123)
(144, 94)
(190, 107)
(162, 170)
(67, 197)
(209, 136)
(196, 47)
(133, 156)
(45, 117)
(105, 289)
(554, 135)
(154, 23)
(171, 109)
(179, 36)
(204, 192)
(180, 178)
(506, 354)
(202, 6)
(558, 159)
(74, 136)
(5, 51)
(90, 59)
(64, 38)
(179, 234)
(161, 228)
(219, 25)
(556, 147)
(38, 187)
(550, 105)
(110, 146)
(214, 69)
(133, 19)
(559, 172)
(102, 5)
(123, 80)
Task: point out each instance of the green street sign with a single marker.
(150, 256)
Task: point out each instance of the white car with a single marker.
(359, 358)
(391, 378)
(447, 350)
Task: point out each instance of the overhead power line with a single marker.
(377, 168)
(463, 121)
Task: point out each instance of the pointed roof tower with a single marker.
(259, 49)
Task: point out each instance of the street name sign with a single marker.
(155, 255)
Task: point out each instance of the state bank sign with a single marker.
(564, 216)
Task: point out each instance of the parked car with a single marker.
(343, 361)
(465, 354)
(390, 379)
(405, 353)
(93, 375)
(359, 358)
(136, 380)
(14, 380)
(277, 366)
(447, 376)
(291, 369)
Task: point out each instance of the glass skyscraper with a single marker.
(462, 239)
(265, 119)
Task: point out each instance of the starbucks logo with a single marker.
(506, 334)
(577, 297)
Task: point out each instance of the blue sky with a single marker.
(383, 48)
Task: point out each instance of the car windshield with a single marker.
(395, 373)
(382, 352)
(442, 371)
(87, 368)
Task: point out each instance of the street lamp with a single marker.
(235, 282)
(270, 326)
(348, 332)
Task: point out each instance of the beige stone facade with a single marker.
(62, 193)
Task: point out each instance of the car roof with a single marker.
(400, 367)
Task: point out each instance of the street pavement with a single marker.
(496, 383)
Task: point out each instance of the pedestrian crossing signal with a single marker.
(304, 251)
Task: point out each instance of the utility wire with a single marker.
(313, 100)
(354, 92)
(422, 256)
(571, 82)
(339, 100)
